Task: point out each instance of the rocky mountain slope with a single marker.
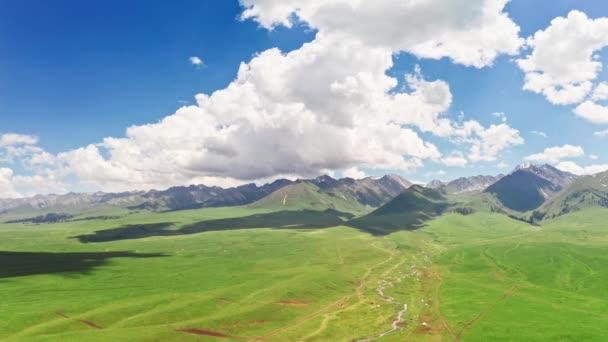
(465, 184)
(529, 186)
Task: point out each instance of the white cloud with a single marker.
(196, 61)
(12, 139)
(603, 133)
(469, 32)
(502, 165)
(354, 173)
(582, 170)
(592, 112)
(593, 157)
(7, 188)
(555, 154)
(492, 141)
(539, 133)
(561, 65)
(500, 115)
(456, 158)
(601, 92)
(316, 109)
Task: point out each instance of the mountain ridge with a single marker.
(529, 186)
(368, 191)
(465, 184)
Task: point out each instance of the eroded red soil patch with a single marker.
(89, 323)
(227, 300)
(84, 321)
(60, 314)
(292, 302)
(205, 333)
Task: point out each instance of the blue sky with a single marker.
(73, 73)
(76, 73)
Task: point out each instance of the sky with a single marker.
(119, 96)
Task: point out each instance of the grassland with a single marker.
(478, 277)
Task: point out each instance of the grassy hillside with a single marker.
(586, 192)
(406, 211)
(279, 284)
(169, 277)
(498, 279)
(307, 196)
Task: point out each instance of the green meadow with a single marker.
(251, 274)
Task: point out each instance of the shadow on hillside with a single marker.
(386, 225)
(305, 219)
(20, 264)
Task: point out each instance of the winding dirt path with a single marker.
(307, 318)
(504, 297)
(437, 304)
(499, 275)
(358, 292)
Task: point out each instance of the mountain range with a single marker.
(529, 186)
(465, 184)
(584, 192)
(324, 191)
(530, 193)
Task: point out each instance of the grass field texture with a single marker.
(473, 278)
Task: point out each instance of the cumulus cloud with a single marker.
(317, 109)
(354, 173)
(561, 65)
(582, 170)
(469, 32)
(556, 154)
(456, 158)
(592, 112)
(601, 92)
(196, 61)
(7, 188)
(274, 119)
(492, 141)
(12, 139)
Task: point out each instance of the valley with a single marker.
(303, 265)
(304, 171)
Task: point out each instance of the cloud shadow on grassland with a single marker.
(305, 219)
(21, 264)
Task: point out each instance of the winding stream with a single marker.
(383, 285)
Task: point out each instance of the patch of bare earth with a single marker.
(91, 324)
(227, 300)
(83, 321)
(204, 332)
(293, 302)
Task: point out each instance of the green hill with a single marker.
(409, 210)
(308, 196)
(586, 192)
